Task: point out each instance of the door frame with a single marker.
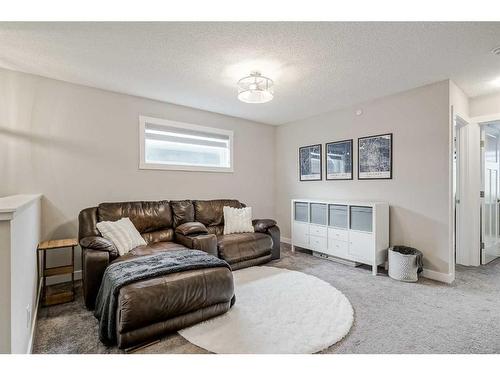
(481, 121)
(483, 126)
(462, 237)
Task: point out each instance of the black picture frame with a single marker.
(375, 153)
(305, 162)
(350, 170)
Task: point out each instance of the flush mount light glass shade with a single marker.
(255, 89)
(496, 82)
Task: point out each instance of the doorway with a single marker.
(490, 191)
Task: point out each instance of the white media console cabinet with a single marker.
(352, 231)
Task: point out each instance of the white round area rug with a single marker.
(276, 311)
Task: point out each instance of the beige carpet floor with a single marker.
(390, 316)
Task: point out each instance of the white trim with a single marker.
(286, 240)
(29, 349)
(427, 273)
(451, 195)
(438, 276)
(182, 125)
(464, 234)
(486, 118)
(10, 206)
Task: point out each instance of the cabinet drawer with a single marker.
(300, 234)
(338, 235)
(362, 245)
(317, 243)
(315, 230)
(338, 248)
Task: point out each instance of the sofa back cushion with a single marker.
(153, 220)
(182, 211)
(218, 230)
(211, 212)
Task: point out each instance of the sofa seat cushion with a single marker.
(238, 247)
(151, 249)
(158, 299)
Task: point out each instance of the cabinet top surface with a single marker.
(345, 203)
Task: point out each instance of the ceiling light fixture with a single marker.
(496, 82)
(496, 51)
(255, 89)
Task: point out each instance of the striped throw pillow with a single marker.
(122, 233)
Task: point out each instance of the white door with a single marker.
(465, 196)
(491, 199)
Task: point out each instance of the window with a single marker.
(175, 145)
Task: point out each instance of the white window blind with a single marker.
(174, 145)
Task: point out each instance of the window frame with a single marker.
(181, 125)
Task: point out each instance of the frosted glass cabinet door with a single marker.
(337, 216)
(301, 209)
(318, 213)
(361, 218)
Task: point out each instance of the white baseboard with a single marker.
(29, 349)
(286, 240)
(50, 281)
(438, 276)
(447, 278)
(64, 278)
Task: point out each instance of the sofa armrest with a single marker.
(99, 244)
(274, 232)
(204, 242)
(192, 227)
(94, 264)
(262, 225)
(269, 227)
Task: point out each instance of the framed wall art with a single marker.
(310, 165)
(375, 157)
(338, 156)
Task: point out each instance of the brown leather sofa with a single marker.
(166, 226)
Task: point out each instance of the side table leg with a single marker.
(44, 279)
(73, 271)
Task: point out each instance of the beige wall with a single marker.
(485, 105)
(419, 191)
(459, 101)
(78, 146)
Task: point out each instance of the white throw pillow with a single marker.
(122, 233)
(237, 220)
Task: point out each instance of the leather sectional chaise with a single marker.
(149, 308)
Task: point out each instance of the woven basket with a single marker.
(403, 267)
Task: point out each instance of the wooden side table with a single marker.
(51, 295)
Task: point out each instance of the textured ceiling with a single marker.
(317, 67)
